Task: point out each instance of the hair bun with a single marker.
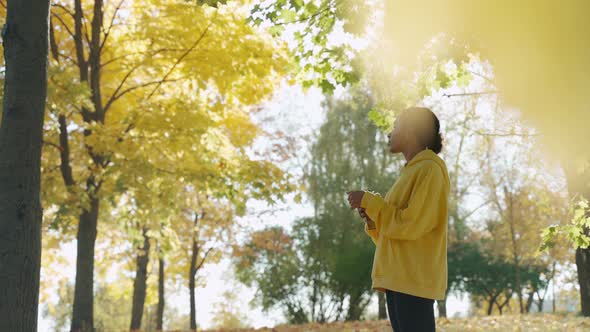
(437, 144)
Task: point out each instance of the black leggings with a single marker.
(408, 313)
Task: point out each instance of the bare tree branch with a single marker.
(489, 80)
(195, 44)
(108, 31)
(52, 42)
(63, 23)
(514, 134)
(67, 57)
(470, 94)
(203, 260)
(149, 53)
(66, 168)
(52, 144)
(477, 208)
(82, 63)
(86, 34)
(66, 9)
(143, 85)
(463, 191)
(116, 92)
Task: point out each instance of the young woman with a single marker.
(409, 225)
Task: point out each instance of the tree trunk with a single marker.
(490, 306)
(529, 301)
(161, 298)
(554, 304)
(191, 286)
(501, 306)
(515, 251)
(314, 297)
(583, 267)
(382, 309)
(540, 305)
(491, 302)
(25, 38)
(578, 185)
(550, 281)
(519, 295)
(442, 308)
(191, 278)
(82, 316)
(83, 313)
(355, 307)
(139, 285)
(442, 305)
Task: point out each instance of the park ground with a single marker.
(524, 323)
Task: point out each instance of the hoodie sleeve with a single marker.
(372, 232)
(419, 217)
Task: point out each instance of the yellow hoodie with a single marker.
(410, 230)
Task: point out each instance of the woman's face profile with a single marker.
(395, 138)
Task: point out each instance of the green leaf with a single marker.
(443, 78)
(327, 87)
(310, 8)
(288, 15)
(276, 30)
(297, 4)
(212, 3)
(379, 119)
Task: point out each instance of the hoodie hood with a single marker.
(428, 154)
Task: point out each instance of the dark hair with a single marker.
(426, 126)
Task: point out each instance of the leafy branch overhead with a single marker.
(310, 28)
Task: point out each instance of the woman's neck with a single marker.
(411, 153)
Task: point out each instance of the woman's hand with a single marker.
(370, 223)
(355, 198)
(363, 214)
